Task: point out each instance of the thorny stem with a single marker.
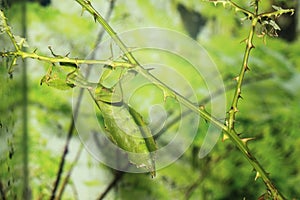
(237, 94)
(240, 143)
(7, 29)
(65, 59)
(68, 176)
(56, 59)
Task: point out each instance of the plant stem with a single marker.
(241, 144)
(59, 59)
(237, 94)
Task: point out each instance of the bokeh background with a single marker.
(269, 110)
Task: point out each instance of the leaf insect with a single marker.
(124, 126)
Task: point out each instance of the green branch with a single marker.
(168, 92)
(7, 29)
(64, 59)
(236, 7)
(255, 18)
(237, 94)
(279, 11)
(18, 45)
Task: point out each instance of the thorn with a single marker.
(246, 67)
(226, 122)
(67, 55)
(240, 97)
(224, 4)
(34, 51)
(237, 9)
(245, 140)
(49, 47)
(95, 17)
(257, 176)
(202, 107)
(236, 78)
(225, 137)
(234, 109)
(88, 2)
(244, 40)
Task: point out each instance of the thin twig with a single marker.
(75, 192)
(77, 107)
(113, 183)
(67, 178)
(63, 59)
(118, 175)
(63, 157)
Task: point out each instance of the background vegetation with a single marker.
(269, 110)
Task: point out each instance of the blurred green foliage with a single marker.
(268, 112)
